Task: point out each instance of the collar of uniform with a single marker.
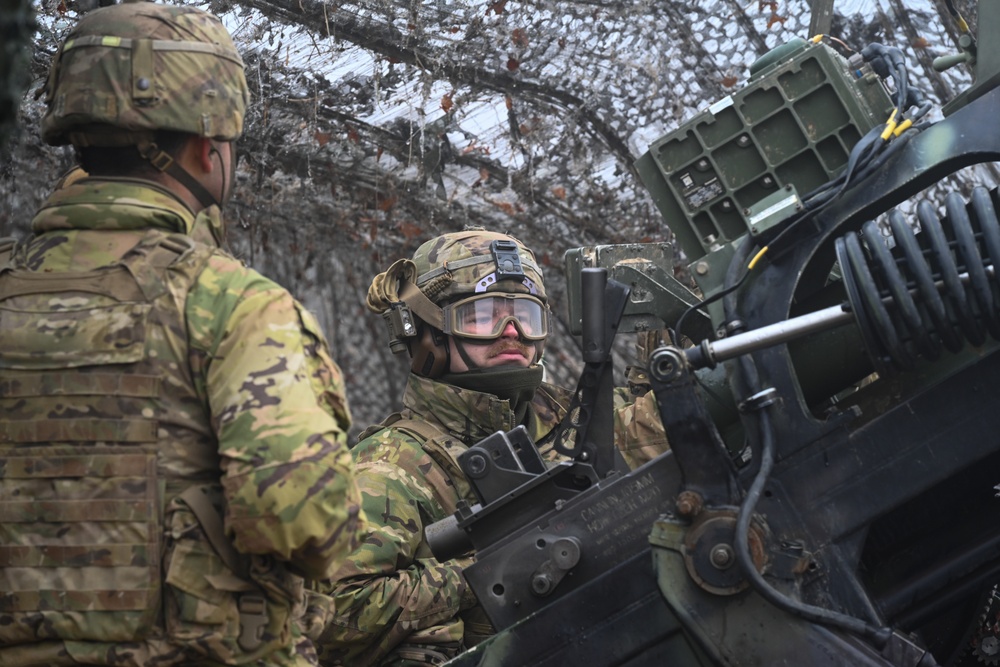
(120, 203)
(471, 415)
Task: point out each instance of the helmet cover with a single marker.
(464, 263)
(141, 67)
(445, 270)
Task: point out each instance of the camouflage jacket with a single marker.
(393, 603)
(249, 407)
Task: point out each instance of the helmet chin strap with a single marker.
(460, 347)
(227, 174)
(166, 163)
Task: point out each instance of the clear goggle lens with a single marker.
(486, 316)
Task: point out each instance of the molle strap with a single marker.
(100, 486)
(423, 307)
(202, 501)
(104, 282)
(147, 260)
(138, 262)
(435, 441)
(143, 88)
(78, 429)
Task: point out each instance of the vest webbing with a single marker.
(81, 489)
(433, 440)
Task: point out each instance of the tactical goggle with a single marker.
(485, 316)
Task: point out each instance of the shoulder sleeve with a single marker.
(278, 408)
(391, 587)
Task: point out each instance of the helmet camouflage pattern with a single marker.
(127, 70)
(463, 263)
(447, 268)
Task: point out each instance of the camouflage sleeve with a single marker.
(279, 412)
(639, 432)
(392, 589)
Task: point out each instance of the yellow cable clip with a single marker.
(903, 127)
(890, 125)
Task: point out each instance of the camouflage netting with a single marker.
(376, 125)
(17, 23)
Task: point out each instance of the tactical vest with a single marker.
(104, 440)
(447, 489)
(453, 486)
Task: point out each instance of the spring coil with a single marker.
(935, 290)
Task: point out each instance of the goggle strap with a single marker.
(421, 306)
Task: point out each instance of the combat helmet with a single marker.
(127, 71)
(450, 277)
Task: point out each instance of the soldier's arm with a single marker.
(392, 587)
(279, 412)
(639, 432)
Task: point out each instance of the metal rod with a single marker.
(709, 353)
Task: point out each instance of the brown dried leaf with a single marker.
(409, 230)
(322, 138)
(519, 37)
(497, 7)
(512, 64)
(559, 192)
(447, 103)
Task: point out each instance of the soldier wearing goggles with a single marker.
(486, 317)
(471, 311)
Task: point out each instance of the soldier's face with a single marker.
(508, 349)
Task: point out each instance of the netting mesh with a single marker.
(378, 124)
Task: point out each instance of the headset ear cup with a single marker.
(429, 352)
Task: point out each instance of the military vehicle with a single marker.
(830, 396)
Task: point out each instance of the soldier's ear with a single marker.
(203, 147)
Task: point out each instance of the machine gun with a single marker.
(834, 460)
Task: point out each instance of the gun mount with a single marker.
(860, 371)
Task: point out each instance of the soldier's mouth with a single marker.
(511, 352)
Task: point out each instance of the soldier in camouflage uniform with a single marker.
(471, 310)
(173, 456)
